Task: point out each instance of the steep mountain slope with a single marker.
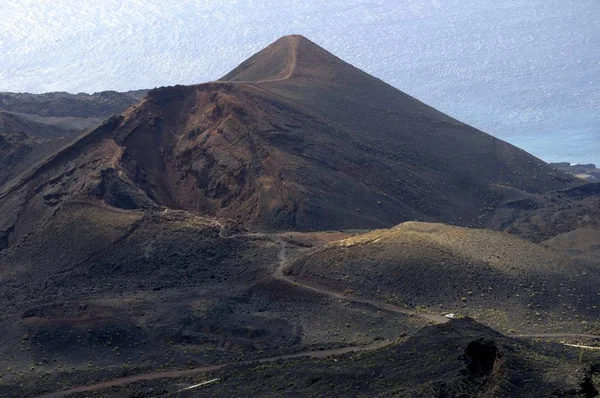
(24, 143)
(428, 165)
(34, 126)
(294, 138)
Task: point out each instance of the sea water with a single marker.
(526, 71)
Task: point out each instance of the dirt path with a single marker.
(557, 335)
(279, 274)
(211, 368)
(290, 68)
(283, 263)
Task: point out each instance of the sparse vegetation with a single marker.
(112, 264)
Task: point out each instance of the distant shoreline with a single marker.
(587, 172)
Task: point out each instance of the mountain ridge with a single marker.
(266, 145)
(185, 233)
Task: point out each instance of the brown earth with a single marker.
(24, 143)
(459, 359)
(314, 145)
(101, 293)
(499, 279)
(95, 292)
(112, 263)
(34, 126)
(565, 221)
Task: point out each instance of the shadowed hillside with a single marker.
(458, 359)
(102, 104)
(23, 143)
(503, 280)
(184, 235)
(34, 126)
(294, 138)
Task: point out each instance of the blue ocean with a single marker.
(526, 71)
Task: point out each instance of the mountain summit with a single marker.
(293, 138)
(148, 238)
(276, 62)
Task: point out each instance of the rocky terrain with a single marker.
(223, 233)
(458, 359)
(587, 172)
(99, 292)
(269, 150)
(504, 281)
(23, 143)
(75, 111)
(34, 126)
(541, 217)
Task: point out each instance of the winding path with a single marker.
(437, 319)
(279, 274)
(210, 368)
(289, 69)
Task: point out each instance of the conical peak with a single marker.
(290, 42)
(281, 60)
(274, 62)
(289, 38)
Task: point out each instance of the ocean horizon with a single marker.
(525, 71)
